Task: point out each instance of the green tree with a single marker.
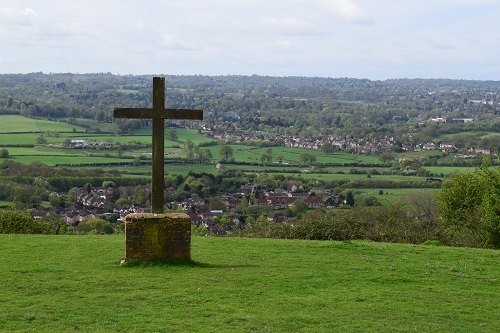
(72, 196)
(244, 204)
(21, 222)
(189, 145)
(4, 153)
(121, 202)
(298, 206)
(349, 199)
(267, 157)
(306, 158)
(215, 203)
(100, 117)
(197, 153)
(108, 183)
(171, 134)
(140, 196)
(469, 206)
(386, 157)
(23, 194)
(226, 152)
(327, 148)
(190, 154)
(207, 155)
(96, 225)
(41, 140)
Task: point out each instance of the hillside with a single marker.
(68, 283)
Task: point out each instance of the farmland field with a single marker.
(40, 151)
(15, 123)
(67, 160)
(337, 166)
(392, 195)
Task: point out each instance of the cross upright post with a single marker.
(158, 114)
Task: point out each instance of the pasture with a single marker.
(68, 283)
(17, 124)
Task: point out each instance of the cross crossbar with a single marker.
(161, 113)
(158, 114)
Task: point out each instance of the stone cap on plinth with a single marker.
(142, 217)
(150, 236)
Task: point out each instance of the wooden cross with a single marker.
(158, 114)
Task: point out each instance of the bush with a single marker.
(469, 208)
(21, 222)
(4, 153)
(95, 225)
(395, 224)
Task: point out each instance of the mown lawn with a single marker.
(68, 283)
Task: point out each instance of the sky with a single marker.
(373, 39)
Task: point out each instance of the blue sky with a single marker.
(374, 39)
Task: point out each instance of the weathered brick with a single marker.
(157, 236)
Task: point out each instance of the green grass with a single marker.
(392, 195)
(47, 125)
(104, 127)
(182, 133)
(478, 134)
(448, 170)
(65, 283)
(18, 139)
(292, 155)
(16, 123)
(52, 160)
(40, 151)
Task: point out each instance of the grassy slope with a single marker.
(13, 123)
(60, 283)
(16, 123)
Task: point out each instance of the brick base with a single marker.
(157, 236)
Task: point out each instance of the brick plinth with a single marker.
(157, 236)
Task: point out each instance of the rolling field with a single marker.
(16, 123)
(392, 195)
(75, 160)
(74, 283)
(13, 123)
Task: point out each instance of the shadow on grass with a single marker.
(176, 263)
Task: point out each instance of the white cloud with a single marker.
(440, 42)
(288, 25)
(28, 11)
(175, 43)
(347, 10)
(283, 44)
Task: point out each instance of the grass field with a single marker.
(392, 195)
(477, 134)
(52, 160)
(15, 123)
(68, 283)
